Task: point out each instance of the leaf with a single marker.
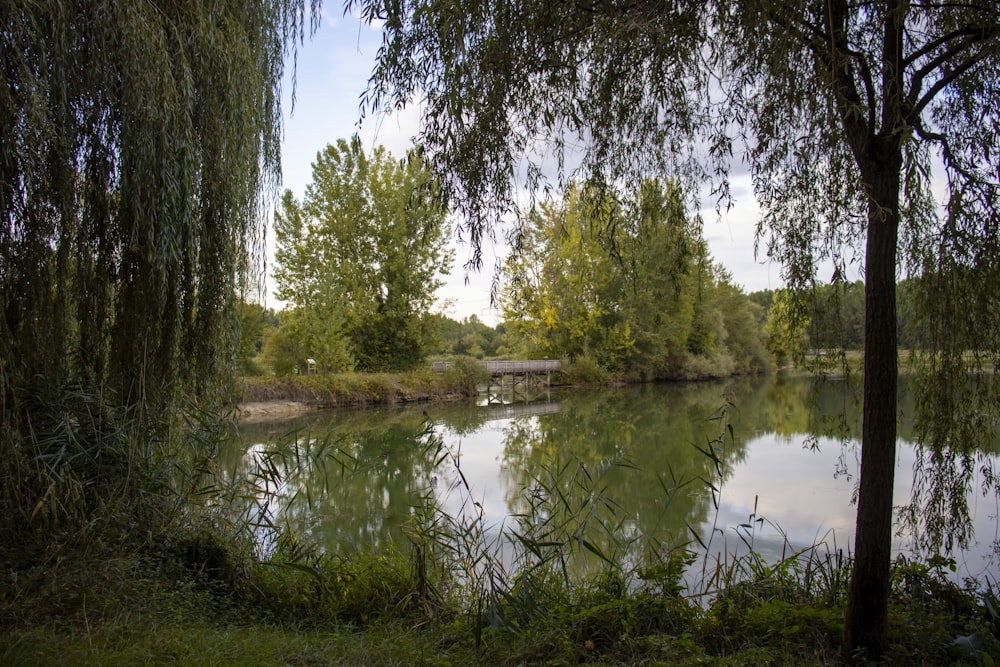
(596, 551)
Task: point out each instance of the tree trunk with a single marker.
(867, 617)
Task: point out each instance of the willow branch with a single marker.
(950, 77)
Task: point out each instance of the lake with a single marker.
(768, 463)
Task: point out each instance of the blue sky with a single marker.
(331, 74)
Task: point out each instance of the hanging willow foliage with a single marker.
(138, 136)
(139, 140)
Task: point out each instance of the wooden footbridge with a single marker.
(515, 376)
(527, 371)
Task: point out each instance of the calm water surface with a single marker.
(634, 467)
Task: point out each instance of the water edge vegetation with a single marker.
(206, 592)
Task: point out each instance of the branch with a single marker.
(842, 75)
(973, 37)
(814, 38)
(954, 5)
(949, 155)
(930, 47)
(946, 80)
(893, 70)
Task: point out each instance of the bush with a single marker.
(584, 370)
(467, 373)
(301, 585)
(705, 367)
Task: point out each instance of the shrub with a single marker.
(584, 370)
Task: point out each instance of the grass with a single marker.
(213, 645)
(774, 620)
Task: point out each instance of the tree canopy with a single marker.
(138, 141)
(628, 283)
(360, 258)
(846, 115)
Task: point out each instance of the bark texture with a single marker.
(867, 617)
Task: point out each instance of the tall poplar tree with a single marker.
(842, 112)
(362, 255)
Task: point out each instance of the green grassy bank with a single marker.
(461, 380)
(383, 608)
(339, 389)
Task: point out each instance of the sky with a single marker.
(331, 73)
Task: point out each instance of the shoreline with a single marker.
(289, 397)
(258, 411)
(275, 409)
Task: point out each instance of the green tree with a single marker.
(838, 109)
(741, 319)
(786, 327)
(255, 325)
(561, 298)
(835, 315)
(313, 325)
(443, 331)
(762, 298)
(628, 283)
(140, 141)
(308, 333)
(470, 337)
(361, 257)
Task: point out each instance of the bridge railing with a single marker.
(501, 367)
(530, 366)
(510, 411)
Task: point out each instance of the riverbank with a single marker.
(265, 398)
(378, 609)
(279, 397)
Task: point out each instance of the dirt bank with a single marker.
(268, 410)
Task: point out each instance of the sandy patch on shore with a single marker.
(267, 410)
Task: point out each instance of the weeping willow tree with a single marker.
(139, 140)
(841, 112)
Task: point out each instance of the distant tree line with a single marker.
(623, 283)
(265, 348)
(469, 337)
(832, 316)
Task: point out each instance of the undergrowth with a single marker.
(336, 389)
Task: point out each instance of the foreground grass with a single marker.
(377, 608)
(206, 644)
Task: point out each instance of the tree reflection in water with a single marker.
(627, 474)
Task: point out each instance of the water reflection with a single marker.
(366, 470)
(630, 467)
